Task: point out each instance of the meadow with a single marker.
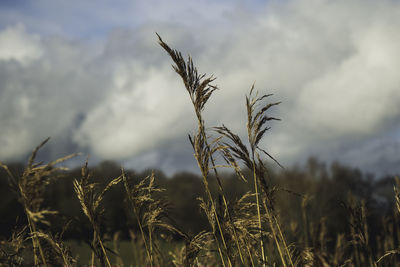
(255, 215)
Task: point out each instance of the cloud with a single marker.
(139, 114)
(356, 96)
(333, 66)
(44, 95)
(15, 44)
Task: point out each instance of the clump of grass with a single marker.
(59, 252)
(247, 224)
(257, 120)
(90, 198)
(196, 251)
(394, 251)
(11, 250)
(362, 253)
(150, 214)
(30, 189)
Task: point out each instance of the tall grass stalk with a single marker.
(200, 90)
(256, 128)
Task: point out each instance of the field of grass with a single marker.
(127, 252)
(250, 230)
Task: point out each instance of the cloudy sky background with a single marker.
(91, 75)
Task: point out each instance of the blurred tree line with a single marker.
(306, 196)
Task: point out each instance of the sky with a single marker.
(91, 75)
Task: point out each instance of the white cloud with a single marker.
(16, 44)
(359, 95)
(139, 114)
(44, 96)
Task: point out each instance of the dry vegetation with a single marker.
(249, 231)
